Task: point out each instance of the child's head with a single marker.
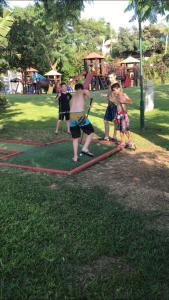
(79, 86)
(63, 87)
(115, 87)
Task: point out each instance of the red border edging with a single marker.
(21, 142)
(10, 155)
(52, 171)
(95, 160)
(63, 172)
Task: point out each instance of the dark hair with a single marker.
(115, 85)
(108, 82)
(79, 86)
(63, 83)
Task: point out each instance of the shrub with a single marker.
(3, 102)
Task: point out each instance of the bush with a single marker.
(3, 102)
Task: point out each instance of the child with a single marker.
(121, 119)
(78, 121)
(64, 107)
(109, 115)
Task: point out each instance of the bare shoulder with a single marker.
(86, 93)
(124, 98)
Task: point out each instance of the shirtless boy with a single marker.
(121, 119)
(78, 121)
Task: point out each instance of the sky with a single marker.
(112, 11)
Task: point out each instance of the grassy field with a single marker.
(62, 239)
(33, 117)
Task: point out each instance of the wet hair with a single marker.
(63, 83)
(79, 86)
(115, 85)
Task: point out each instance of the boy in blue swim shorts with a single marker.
(109, 115)
(79, 121)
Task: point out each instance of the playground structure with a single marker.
(97, 73)
(34, 82)
(95, 76)
(54, 77)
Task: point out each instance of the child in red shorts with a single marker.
(121, 118)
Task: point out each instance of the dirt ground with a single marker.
(141, 178)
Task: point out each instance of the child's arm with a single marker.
(112, 98)
(124, 98)
(57, 97)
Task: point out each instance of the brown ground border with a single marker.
(56, 171)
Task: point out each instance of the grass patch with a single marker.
(73, 243)
(15, 146)
(56, 156)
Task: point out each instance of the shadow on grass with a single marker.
(75, 243)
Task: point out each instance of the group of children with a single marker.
(72, 109)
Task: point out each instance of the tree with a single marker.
(63, 11)
(143, 10)
(6, 22)
(165, 32)
(125, 43)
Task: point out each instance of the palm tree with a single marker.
(145, 10)
(6, 22)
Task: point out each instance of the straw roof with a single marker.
(130, 60)
(93, 55)
(31, 70)
(52, 73)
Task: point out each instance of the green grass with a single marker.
(73, 243)
(34, 116)
(55, 156)
(15, 146)
(61, 240)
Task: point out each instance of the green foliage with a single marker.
(4, 65)
(6, 22)
(3, 101)
(147, 9)
(126, 42)
(157, 67)
(62, 11)
(40, 42)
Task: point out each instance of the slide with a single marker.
(88, 80)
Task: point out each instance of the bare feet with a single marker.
(75, 159)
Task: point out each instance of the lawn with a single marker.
(33, 117)
(78, 238)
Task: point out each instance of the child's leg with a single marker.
(129, 137)
(57, 126)
(130, 144)
(68, 126)
(75, 148)
(114, 137)
(87, 142)
(122, 138)
(106, 128)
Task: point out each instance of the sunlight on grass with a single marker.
(35, 112)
